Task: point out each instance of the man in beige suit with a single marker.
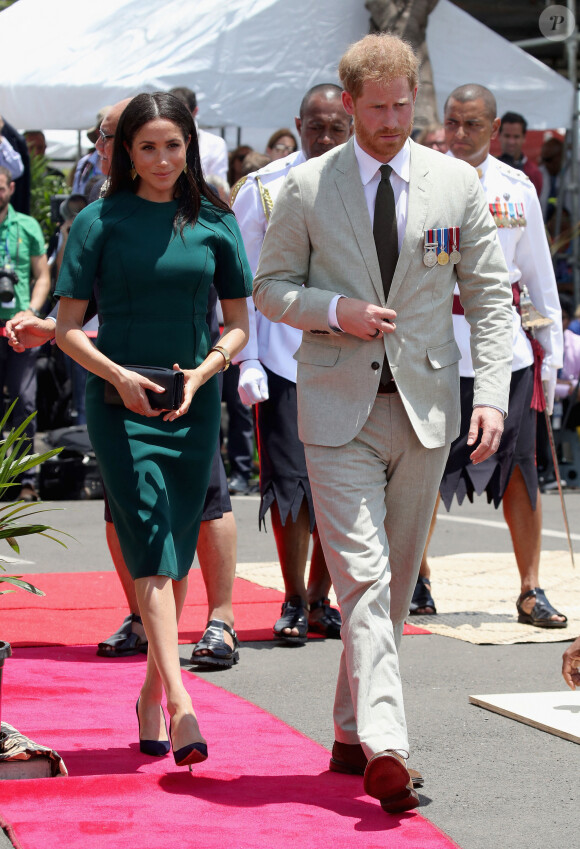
(378, 380)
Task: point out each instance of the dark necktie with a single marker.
(386, 240)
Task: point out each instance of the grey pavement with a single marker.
(489, 781)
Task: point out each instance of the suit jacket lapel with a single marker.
(351, 191)
(419, 189)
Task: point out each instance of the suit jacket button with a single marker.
(375, 365)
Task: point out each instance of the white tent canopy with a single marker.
(463, 50)
(250, 61)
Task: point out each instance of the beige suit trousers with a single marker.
(374, 499)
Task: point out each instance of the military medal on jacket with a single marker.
(441, 246)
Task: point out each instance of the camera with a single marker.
(8, 280)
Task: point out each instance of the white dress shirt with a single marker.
(370, 174)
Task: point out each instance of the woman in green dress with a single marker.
(151, 249)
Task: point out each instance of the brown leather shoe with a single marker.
(387, 778)
(351, 759)
(348, 758)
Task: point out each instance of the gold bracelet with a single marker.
(225, 354)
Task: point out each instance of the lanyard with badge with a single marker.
(8, 276)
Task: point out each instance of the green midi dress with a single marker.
(152, 285)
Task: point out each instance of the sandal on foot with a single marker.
(541, 611)
(422, 598)
(293, 616)
(329, 623)
(124, 643)
(219, 653)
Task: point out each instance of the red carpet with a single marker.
(82, 608)
(264, 786)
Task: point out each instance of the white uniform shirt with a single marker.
(213, 152)
(272, 343)
(528, 259)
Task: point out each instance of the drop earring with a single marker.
(133, 172)
(185, 168)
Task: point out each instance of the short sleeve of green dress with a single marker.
(152, 285)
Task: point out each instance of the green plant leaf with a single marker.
(17, 581)
(15, 458)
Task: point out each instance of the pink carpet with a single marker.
(82, 608)
(264, 786)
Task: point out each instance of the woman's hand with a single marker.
(131, 387)
(192, 382)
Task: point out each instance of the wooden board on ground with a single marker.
(557, 713)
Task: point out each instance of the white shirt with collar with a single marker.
(528, 259)
(370, 174)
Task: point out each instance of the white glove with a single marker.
(549, 383)
(253, 383)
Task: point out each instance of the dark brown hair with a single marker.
(191, 186)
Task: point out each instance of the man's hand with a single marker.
(253, 383)
(571, 665)
(367, 321)
(490, 422)
(29, 331)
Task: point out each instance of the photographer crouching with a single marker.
(24, 288)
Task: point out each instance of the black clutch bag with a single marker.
(172, 382)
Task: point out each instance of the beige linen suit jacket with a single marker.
(320, 243)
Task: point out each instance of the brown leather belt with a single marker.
(387, 388)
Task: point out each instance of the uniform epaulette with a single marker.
(276, 167)
(236, 188)
(513, 173)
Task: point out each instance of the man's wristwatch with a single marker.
(37, 313)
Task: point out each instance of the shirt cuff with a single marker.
(493, 407)
(332, 317)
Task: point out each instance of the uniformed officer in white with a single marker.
(268, 378)
(510, 476)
